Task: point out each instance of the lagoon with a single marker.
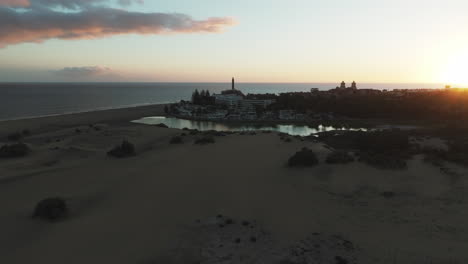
(291, 129)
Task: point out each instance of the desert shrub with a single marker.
(51, 209)
(162, 125)
(219, 134)
(380, 149)
(126, 149)
(16, 136)
(304, 158)
(215, 133)
(339, 157)
(205, 140)
(457, 152)
(176, 140)
(14, 151)
(383, 141)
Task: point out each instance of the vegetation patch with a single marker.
(124, 150)
(16, 136)
(14, 151)
(161, 125)
(388, 149)
(51, 209)
(176, 140)
(304, 158)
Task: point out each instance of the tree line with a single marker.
(202, 98)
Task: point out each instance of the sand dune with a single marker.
(138, 209)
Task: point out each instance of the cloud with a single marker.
(15, 3)
(83, 72)
(68, 4)
(40, 21)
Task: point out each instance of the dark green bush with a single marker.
(17, 136)
(176, 140)
(51, 209)
(162, 125)
(14, 151)
(205, 140)
(126, 149)
(304, 158)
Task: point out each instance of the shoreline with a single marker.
(84, 111)
(53, 122)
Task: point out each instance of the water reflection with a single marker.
(293, 130)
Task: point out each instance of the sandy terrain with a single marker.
(144, 209)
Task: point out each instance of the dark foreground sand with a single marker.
(144, 209)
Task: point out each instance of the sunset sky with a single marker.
(254, 40)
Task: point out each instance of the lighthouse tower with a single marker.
(233, 84)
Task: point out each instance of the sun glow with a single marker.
(455, 72)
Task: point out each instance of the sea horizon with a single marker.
(19, 100)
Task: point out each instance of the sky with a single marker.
(379, 41)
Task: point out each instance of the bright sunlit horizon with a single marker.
(456, 73)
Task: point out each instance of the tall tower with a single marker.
(354, 85)
(233, 84)
(343, 85)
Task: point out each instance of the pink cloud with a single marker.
(41, 24)
(15, 3)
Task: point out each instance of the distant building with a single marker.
(235, 100)
(287, 114)
(230, 100)
(343, 85)
(233, 89)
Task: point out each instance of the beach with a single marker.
(139, 209)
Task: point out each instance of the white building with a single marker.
(230, 100)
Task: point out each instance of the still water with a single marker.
(293, 130)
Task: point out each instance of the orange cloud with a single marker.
(38, 25)
(15, 3)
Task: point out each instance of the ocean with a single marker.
(23, 100)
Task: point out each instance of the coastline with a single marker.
(48, 123)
